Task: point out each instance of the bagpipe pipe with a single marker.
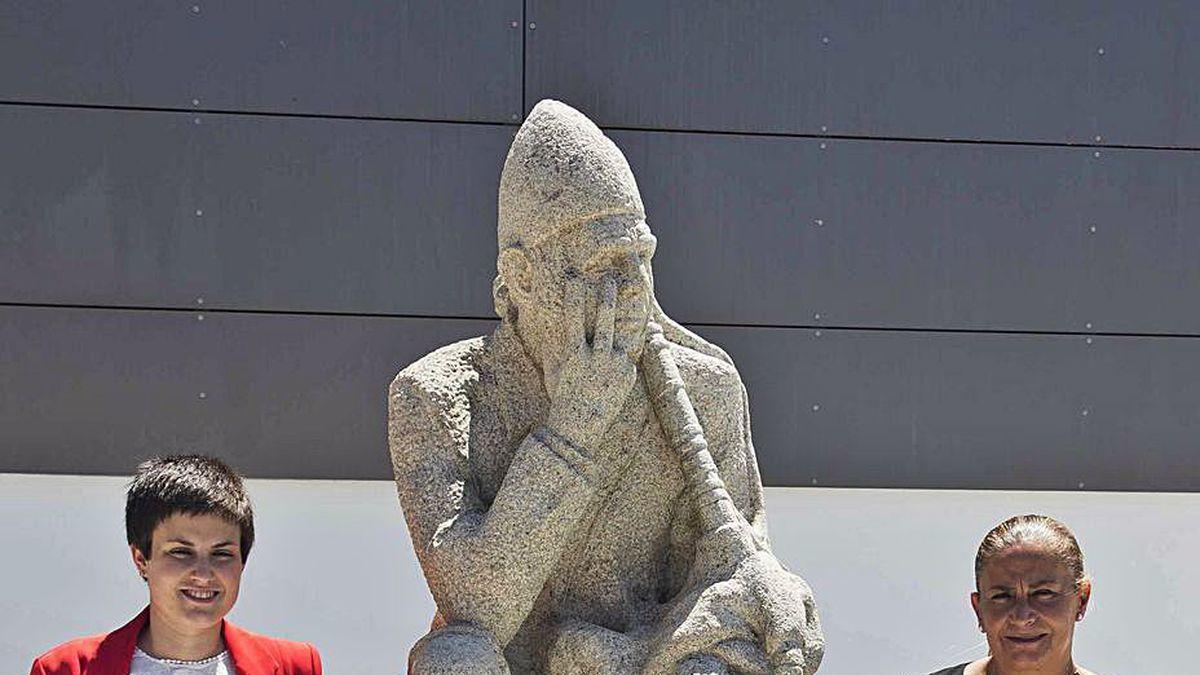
(784, 635)
(726, 538)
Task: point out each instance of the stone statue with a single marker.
(580, 485)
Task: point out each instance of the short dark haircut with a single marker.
(188, 484)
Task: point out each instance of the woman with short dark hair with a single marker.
(190, 526)
(1030, 591)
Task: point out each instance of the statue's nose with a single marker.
(632, 282)
(631, 268)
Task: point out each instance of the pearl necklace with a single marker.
(184, 662)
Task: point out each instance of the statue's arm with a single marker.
(484, 563)
(737, 462)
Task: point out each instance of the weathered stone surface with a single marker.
(580, 485)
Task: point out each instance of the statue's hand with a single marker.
(594, 380)
(790, 629)
(761, 620)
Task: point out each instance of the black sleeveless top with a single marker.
(956, 670)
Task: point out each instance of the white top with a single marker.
(144, 664)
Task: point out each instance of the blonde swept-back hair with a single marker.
(1031, 528)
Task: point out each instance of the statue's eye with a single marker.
(595, 268)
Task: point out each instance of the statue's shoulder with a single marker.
(715, 390)
(706, 373)
(442, 376)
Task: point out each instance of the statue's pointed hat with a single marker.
(560, 170)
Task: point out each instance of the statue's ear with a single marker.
(516, 272)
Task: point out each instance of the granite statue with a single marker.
(580, 485)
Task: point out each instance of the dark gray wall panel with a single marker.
(1143, 264)
(1146, 93)
(945, 410)
(160, 209)
(458, 59)
(921, 234)
(1143, 403)
(1022, 70)
(93, 391)
(389, 217)
(799, 231)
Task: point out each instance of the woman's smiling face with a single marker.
(1027, 604)
(194, 570)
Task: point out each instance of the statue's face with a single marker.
(614, 247)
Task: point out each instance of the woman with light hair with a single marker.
(1030, 591)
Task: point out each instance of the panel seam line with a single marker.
(607, 127)
(698, 324)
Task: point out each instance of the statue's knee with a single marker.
(457, 649)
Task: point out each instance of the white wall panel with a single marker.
(891, 570)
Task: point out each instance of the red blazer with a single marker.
(111, 654)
